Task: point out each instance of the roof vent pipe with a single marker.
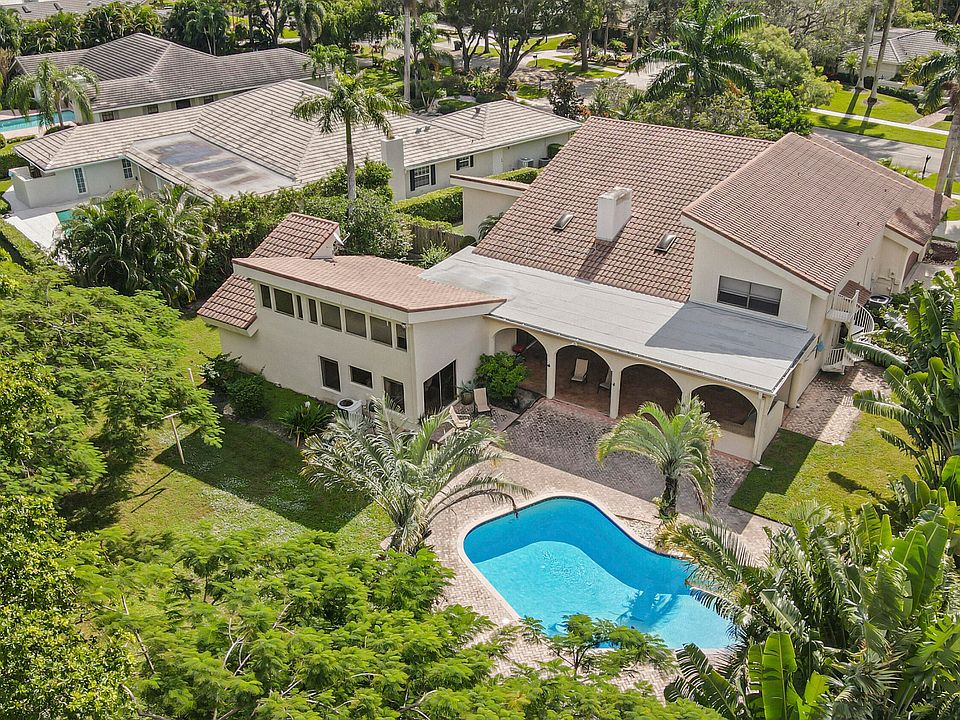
(613, 212)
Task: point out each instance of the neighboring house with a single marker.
(251, 143)
(675, 262)
(142, 75)
(32, 10)
(903, 44)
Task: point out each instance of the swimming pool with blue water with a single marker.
(563, 556)
(30, 121)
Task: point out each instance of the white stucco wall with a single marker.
(60, 187)
(715, 256)
(481, 203)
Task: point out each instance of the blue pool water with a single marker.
(562, 556)
(64, 215)
(30, 121)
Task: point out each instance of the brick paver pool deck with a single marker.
(552, 454)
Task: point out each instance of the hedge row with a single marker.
(446, 205)
(23, 252)
(9, 159)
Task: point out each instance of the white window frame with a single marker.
(465, 162)
(81, 180)
(108, 116)
(748, 296)
(151, 109)
(421, 177)
(127, 169)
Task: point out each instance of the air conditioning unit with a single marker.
(528, 163)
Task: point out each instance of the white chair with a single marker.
(580, 371)
(608, 381)
(459, 421)
(480, 403)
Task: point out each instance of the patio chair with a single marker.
(480, 403)
(459, 422)
(580, 371)
(608, 381)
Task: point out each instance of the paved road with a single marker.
(903, 154)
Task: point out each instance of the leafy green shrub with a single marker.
(247, 396)
(617, 47)
(452, 104)
(433, 254)
(899, 92)
(9, 160)
(371, 175)
(553, 149)
(445, 204)
(303, 421)
(220, 370)
(524, 175)
(780, 110)
(501, 374)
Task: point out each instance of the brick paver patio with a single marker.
(826, 412)
(552, 451)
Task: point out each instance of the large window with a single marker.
(127, 169)
(81, 180)
(394, 390)
(330, 316)
(283, 301)
(330, 374)
(380, 331)
(440, 390)
(423, 176)
(401, 336)
(359, 376)
(753, 296)
(356, 322)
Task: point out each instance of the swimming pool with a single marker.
(64, 215)
(563, 556)
(30, 121)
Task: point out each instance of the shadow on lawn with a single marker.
(790, 451)
(852, 108)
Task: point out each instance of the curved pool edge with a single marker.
(495, 513)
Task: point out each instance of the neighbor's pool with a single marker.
(30, 121)
(64, 215)
(563, 556)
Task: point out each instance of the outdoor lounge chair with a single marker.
(459, 422)
(480, 404)
(580, 371)
(605, 385)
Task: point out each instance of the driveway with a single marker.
(903, 154)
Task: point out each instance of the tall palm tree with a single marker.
(51, 88)
(940, 76)
(350, 103)
(706, 54)
(411, 478)
(308, 15)
(678, 444)
(887, 24)
(409, 12)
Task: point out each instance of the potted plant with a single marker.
(517, 348)
(466, 392)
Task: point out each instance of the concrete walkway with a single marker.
(878, 121)
(39, 225)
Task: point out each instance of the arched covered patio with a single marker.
(593, 391)
(645, 383)
(521, 342)
(734, 411)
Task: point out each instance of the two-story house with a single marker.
(673, 262)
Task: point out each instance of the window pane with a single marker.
(265, 296)
(330, 374)
(330, 316)
(356, 322)
(732, 285)
(312, 309)
(284, 301)
(765, 292)
(299, 307)
(361, 376)
(394, 390)
(731, 299)
(380, 331)
(401, 336)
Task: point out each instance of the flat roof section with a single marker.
(726, 345)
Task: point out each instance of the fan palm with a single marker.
(940, 76)
(678, 444)
(411, 478)
(51, 88)
(351, 104)
(707, 54)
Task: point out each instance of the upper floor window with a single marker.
(108, 116)
(182, 104)
(151, 110)
(127, 168)
(207, 99)
(423, 176)
(356, 322)
(465, 162)
(265, 296)
(401, 336)
(330, 316)
(283, 301)
(753, 296)
(380, 331)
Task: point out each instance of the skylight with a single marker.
(563, 221)
(666, 240)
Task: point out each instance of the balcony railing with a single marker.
(842, 308)
(839, 358)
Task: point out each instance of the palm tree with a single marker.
(411, 478)
(707, 54)
(350, 103)
(888, 23)
(409, 12)
(51, 87)
(678, 444)
(308, 15)
(940, 75)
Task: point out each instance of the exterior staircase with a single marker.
(859, 321)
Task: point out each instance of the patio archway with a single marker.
(733, 410)
(589, 392)
(645, 383)
(523, 343)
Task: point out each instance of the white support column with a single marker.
(615, 374)
(762, 410)
(551, 373)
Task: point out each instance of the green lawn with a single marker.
(551, 43)
(871, 129)
(835, 475)
(573, 68)
(886, 107)
(531, 92)
(942, 125)
(384, 80)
